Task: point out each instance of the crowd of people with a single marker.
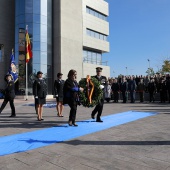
(67, 92)
(130, 85)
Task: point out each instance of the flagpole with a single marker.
(26, 73)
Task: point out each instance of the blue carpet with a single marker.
(39, 138)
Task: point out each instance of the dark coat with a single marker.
(58, 87)
(131, 85)
(151, 87)
(115, 87)
(40, 88)
(141, 87)
(70, 91)
(10, 90)
(124, 87)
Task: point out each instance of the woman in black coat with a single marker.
(40, 92)
(9, 95)
(71, 97)
(58, 92)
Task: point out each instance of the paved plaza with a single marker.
(143, 144)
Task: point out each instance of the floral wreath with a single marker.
(92, 93)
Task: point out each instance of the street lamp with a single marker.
(149, 67)
(149, 62)
(126, 71)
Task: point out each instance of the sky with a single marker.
(139, 30)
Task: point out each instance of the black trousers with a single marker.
(99, 109)
(116, 96)
(73, 111)
(132, 96)
(152, 96)
(141, 96)
(162, 96)
(124, 96)
(11, 102)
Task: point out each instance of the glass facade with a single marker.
(37, 14)
(96, 13)
(96, 34)
(92, 57)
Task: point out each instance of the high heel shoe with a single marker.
(38, 119)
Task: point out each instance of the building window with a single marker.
(96, 34)
(92, 57)
(96, 13)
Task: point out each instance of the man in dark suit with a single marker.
(132, 87)
(9, 95)
(99, 107)
(124, 89)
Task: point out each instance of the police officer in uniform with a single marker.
(99, 107)
(40, 92)
(58, 92)
(9, 95)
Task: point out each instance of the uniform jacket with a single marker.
(10, 90)
(70, 91)
(58, 87)
(102, 81)
(40, 88)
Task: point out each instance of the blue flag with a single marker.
(12, 68)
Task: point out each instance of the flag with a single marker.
(12, 68)
(28, 48)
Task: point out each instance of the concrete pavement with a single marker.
(143, 144)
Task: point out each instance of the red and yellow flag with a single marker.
(28, 48)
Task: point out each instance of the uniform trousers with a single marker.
(99, 109)
(11, 102)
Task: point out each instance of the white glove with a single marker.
(101, 86)
(36, 97)
(57, 95)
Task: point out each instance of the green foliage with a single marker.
(166, 66)
(97, 93)
(150, 71)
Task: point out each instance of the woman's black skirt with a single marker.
(40, 101)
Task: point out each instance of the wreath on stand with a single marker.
(92, 93)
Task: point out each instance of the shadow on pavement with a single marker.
(79, 142)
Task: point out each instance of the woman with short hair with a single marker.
(58, 92)
(40, 92)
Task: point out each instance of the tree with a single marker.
(150, 71)
(166, 66)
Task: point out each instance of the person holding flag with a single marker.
(9, 95)
(12, 68)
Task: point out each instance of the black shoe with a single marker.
(70, 123)
(92, 116)
(42, 119)
(74, 124)
(12, 116)
(99, 121)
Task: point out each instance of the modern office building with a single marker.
(65, 34)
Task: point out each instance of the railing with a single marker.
(91, 61)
